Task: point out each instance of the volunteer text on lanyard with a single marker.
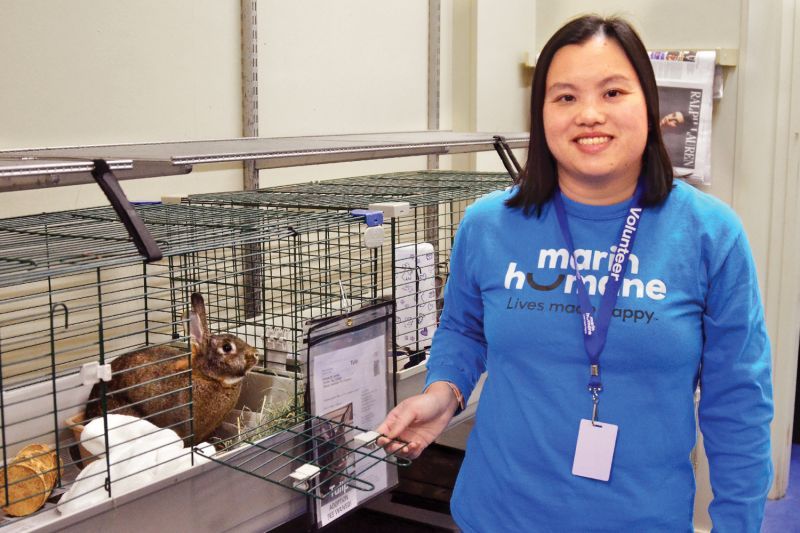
(595, 329)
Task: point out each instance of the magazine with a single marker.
(685, 88)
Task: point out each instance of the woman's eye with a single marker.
(565, 98)
(613, 93)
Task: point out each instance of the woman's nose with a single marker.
(590, 114)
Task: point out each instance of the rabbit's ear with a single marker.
(198, 324)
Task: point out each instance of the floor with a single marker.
(783, 516)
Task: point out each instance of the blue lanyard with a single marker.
(595, 328)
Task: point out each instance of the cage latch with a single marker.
(373, 233)
(391, 209)
(94, 372)
(371, 218)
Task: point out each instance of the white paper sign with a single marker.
(349, 387)
(415, 282)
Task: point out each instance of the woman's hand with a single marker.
(418, 420)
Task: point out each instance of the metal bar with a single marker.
(52, 167)
(500, 149)
(366, 153)
(249, 10)
(20, 173)
(252, 276)
(312, 148)
(53, 307)
(434, 43)
(103, 386)
(393, 288)
(434, 78)
(3, 428)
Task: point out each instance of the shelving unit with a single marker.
(51, 167)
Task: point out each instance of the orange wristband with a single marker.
(456, 392)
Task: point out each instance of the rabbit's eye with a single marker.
(227, 347)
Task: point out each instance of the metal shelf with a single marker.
(26, 172)
(50, 167)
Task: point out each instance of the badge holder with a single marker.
(594, 451)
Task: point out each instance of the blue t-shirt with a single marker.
(688, 311)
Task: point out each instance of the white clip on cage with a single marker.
(302, 476)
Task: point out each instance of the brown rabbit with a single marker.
(153, 383)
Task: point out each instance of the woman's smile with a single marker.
(592, 143)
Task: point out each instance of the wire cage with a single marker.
(416, 255)
(88, 328)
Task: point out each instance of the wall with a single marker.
(350, 66)
(767, 193)
(93, 72)
(491, 89)
(83, 72)
(505, 36)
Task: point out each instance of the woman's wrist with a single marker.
(450, 391)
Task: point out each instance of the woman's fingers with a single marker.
(409, 450)
(400, 448)
(411, 426)
(397, 421)
(399, 425)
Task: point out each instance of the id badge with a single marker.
(594, 452)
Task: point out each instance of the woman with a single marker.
(586, 421)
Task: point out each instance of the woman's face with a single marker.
(673, 120)
(595, 115)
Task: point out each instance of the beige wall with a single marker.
(350, 66)
(491, 89)
(79, 72)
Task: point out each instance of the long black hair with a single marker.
(538, 179)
